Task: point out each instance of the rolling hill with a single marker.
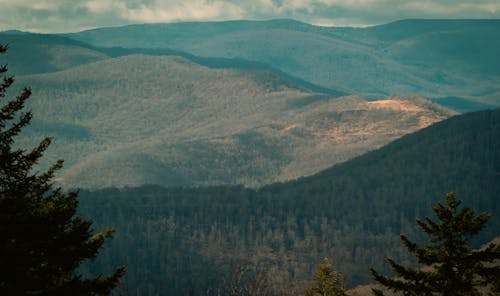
(430, 58)
(45, 53)
(141, 119)
(175, 240)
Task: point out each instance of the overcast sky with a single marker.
(76, 15)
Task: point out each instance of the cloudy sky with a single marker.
(75, 15)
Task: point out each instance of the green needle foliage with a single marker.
(327, 281)
(454, 267)
(42, 239)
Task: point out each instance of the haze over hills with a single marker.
(352, 212)
(45, 53)
(451, 62)
(431, 58)
(142, 119)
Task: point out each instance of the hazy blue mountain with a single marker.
(354, 212)
(45, 53)
(431, 58)
(41, 53)
(466, 45)
(141, 119)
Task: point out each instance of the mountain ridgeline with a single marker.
(45, 53)
(443, 60)
(408, 56)
(188, 239)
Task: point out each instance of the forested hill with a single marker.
(176, 241)
(461, 154)
(45, 53)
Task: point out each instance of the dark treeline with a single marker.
(185, 240)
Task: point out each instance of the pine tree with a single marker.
(327, 281)
(453, 266)
(42, 239)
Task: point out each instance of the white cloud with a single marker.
(182, 11)
(73, 15)
(102, 6)
(349, 3)
(459, 8)
(492, 8)
(30, 4)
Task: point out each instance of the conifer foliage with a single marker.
(327, 281)
(453, 267)
(42, 239)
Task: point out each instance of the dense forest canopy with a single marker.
(177, 239)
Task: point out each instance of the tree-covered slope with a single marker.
(431, 58)
(45, 53)
(461, 154)
(165, 120)
(175, 240)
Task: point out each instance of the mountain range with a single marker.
(430, 58)
(211, 103)
(177, 109)
(141, 119)
(265, 143)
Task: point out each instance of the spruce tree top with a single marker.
(455, 267)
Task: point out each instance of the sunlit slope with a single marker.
(165, 120)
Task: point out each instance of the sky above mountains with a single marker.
(58, 16)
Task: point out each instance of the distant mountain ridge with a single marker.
(438, 59)
(431, 58)
(50, 53)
